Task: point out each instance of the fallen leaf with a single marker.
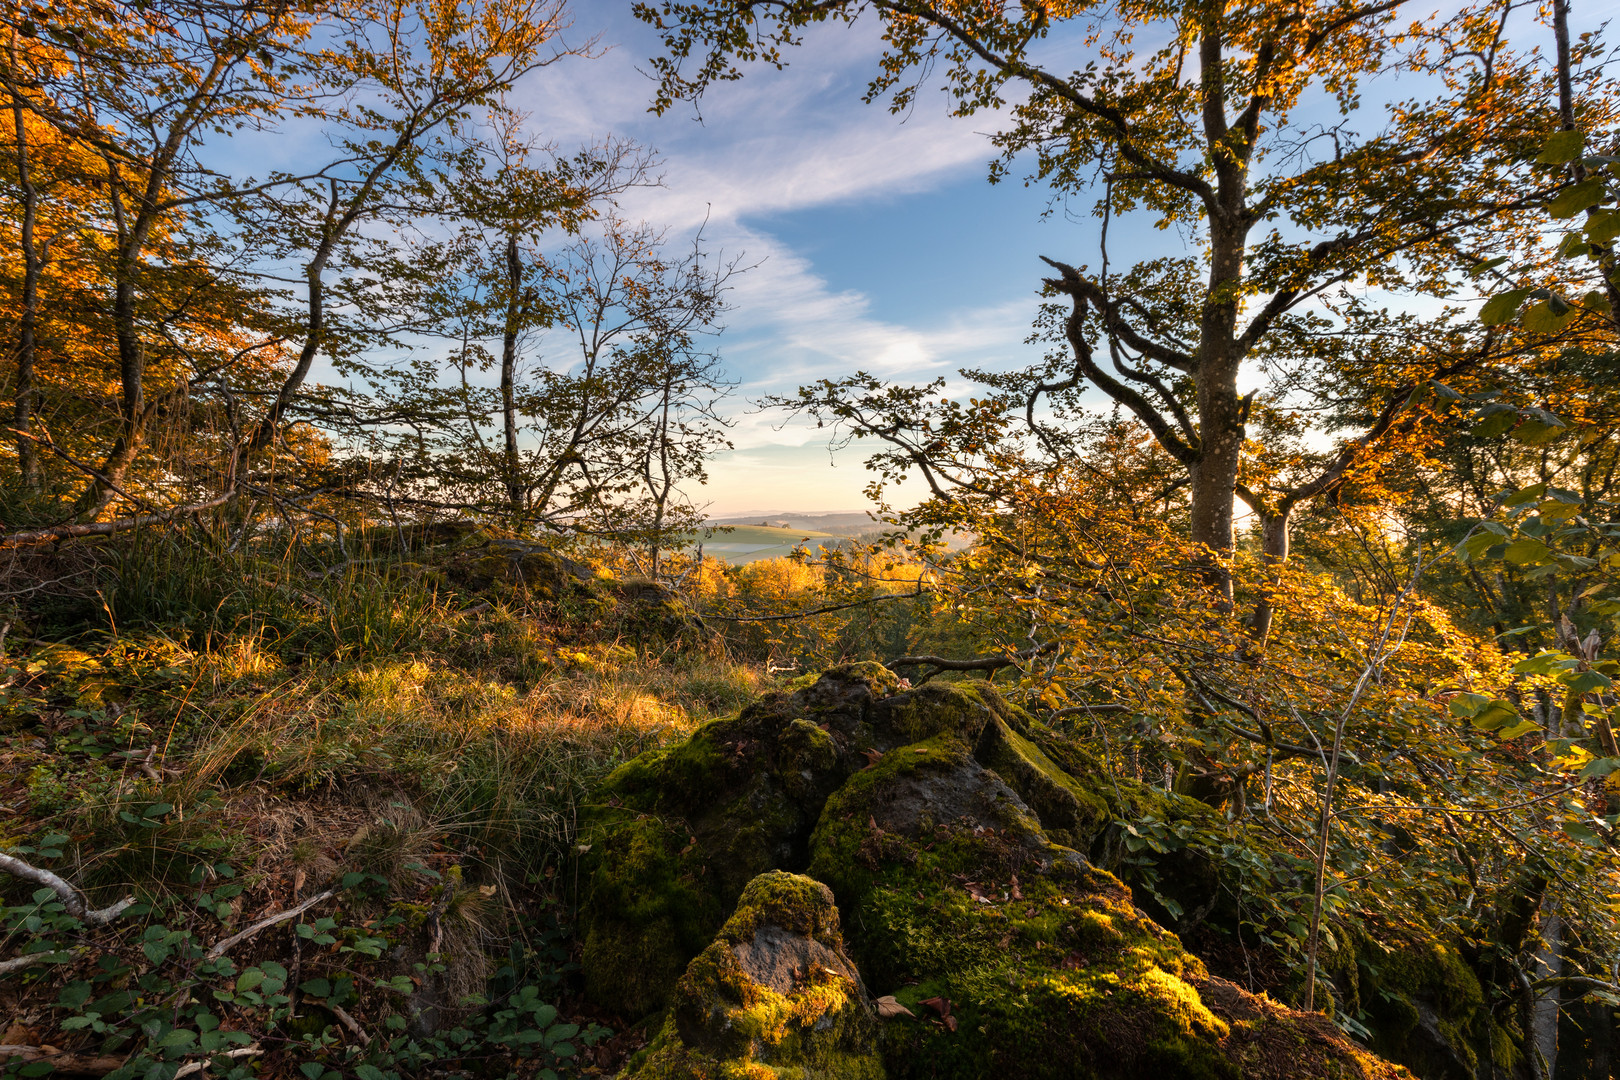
(950, 1021)
(872, 757)
(920, 750)
(1073, 962)
(1017, 893)
(888, 1008)
(975, 890)
(938, 1004)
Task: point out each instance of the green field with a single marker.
(739, 544)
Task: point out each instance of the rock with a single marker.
(952, 831)
(673, 836)
(774, 995)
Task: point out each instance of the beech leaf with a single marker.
(888, 1007)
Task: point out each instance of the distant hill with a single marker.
(748, 543)
(849, 524)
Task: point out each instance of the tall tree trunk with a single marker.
(27, 329)
(514, 310)
(1548, 963)
(1274, 544)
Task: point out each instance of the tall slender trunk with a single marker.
(22, 413)
(514, 310)
(1274, 544)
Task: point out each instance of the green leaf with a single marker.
(1526, 551)
(1560, 147)
(318, 988)
(369, 1072)
(1579, 830)
(37, 1068)
(1543, 663)
(1523, 727)
(312, 1069)
(1525, 495)
(1467, 705)
(157, 810)
(1586, 682)
(1501, 308)
(1495, 419)
(1544, 318)
(1597, 767)
(1496, 715)
(1602, 226)
(1573, 200)
(249, 979)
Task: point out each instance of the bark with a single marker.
(510, 466)
(27, 327)
(1548, 963)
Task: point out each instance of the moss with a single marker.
(1070, 812)
(790, 1008)
(737, 798)
(1049, 967)
(1423, 1003)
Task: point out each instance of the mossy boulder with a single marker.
(672, 837)
(952, 829)
(1422, 1002)
(955, 894)
(773, 996)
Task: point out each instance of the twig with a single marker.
(350, 1022)
(264, 924)
(73, 901)
(191, 1067)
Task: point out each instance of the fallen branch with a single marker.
(102, 1064)
(350, 1022)
(190, 1067)
(73, 901)
(265, 923)
(18, 963)
(107, 528)
(72, 1064)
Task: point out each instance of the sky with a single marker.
(877, 242)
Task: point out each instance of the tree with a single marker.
(145, 100)
(607, 387)
(1242, 130)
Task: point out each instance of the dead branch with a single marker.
(73, 901)
(265, 923)
(995, 662)
(72, 1064)
(350, 1022)
(107, 528)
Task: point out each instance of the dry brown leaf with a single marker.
(888, 1008)
(1017, 893)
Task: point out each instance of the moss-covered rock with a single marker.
(1036, 963)
(1422, 1002)
(774, 997)
(953, 830)
(673, 836)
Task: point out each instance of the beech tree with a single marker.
(1315, 214)
(218, 291)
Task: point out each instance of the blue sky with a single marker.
(880, 243)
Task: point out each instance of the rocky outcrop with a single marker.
(774, 995)
(951, 834)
